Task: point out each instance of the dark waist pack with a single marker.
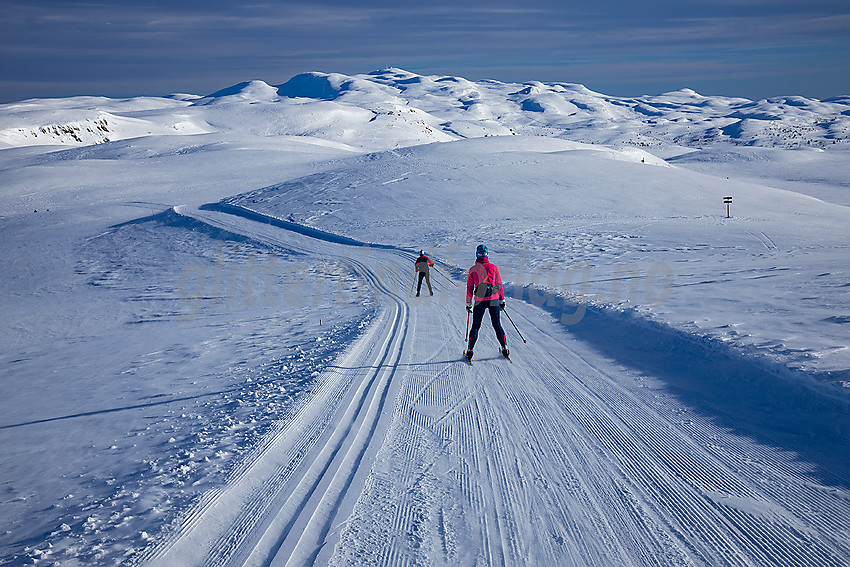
(485, 289)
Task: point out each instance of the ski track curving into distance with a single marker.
(406, 455)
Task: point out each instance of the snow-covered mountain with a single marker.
(212, 353)
(420, 109)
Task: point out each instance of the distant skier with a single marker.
(423, 268)
(484, 285)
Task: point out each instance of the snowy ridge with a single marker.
(420, 109)
(295, 227)
(82, 121)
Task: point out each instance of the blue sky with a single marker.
(749, 48)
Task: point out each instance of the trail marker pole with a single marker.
(728, 201)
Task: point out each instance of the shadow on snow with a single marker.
(751, 396)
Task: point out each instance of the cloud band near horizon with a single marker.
(754, 48)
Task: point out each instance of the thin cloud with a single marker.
(206, 43)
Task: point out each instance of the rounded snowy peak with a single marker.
(328, 86)
(249, 91)
(683, 95)
(321, 86)
(393, 73)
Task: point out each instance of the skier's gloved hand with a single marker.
(502, 305)
(469, 307)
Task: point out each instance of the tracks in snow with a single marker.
(300, 529)
(405, 455)
(565, 459)
(765, 240)
(282, 506)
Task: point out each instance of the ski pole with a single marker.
(412, 285)
(514, 324)
(444, 276)
(466, 336)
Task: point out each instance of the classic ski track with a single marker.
(282, 511)
(632, 486)
(765, 240)
(547, 461)
(674, 474)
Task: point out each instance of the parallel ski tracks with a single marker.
(690, 493)
(556, 462)
(548, 461)
(282, 506)
(360, 425)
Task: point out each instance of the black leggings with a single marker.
(478, 316)
(427, 278)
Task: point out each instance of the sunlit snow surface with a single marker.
(157, 347)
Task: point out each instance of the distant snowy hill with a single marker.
(421, 109)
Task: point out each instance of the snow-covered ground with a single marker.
(211, 354)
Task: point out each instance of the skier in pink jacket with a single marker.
(484, 285)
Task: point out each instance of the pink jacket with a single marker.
(484, 282)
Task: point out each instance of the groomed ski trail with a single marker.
(279, 507)
(406, 455)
